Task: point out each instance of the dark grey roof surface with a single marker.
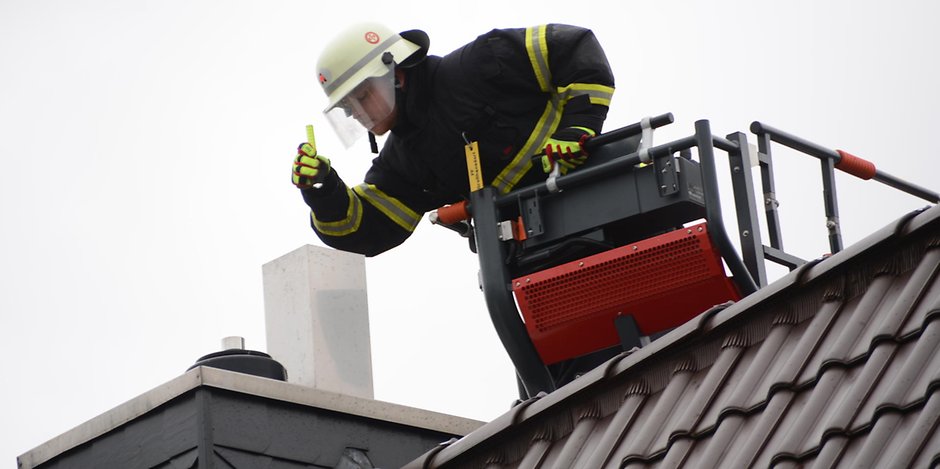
(834, 365)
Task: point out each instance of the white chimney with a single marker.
(317, 319)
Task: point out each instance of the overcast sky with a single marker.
(146, 147)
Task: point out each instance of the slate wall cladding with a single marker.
(212, 418)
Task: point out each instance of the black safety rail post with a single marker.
(497, 290)
(774, 252)
(770, 192)
(828, 167)
(749, 233)
(716, 226)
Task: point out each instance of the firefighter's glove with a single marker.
(310, 169)
(566, 147)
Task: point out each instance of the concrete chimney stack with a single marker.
(317, 319)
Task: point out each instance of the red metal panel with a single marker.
(663, 281)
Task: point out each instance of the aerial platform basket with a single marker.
(633, 243)
(633, 237)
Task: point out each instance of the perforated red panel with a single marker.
(663, 281)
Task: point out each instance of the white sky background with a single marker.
(145, 150)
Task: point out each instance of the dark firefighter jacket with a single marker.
(508, 90)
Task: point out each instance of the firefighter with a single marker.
(517, 93)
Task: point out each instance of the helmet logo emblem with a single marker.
(372, 38)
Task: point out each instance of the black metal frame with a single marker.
(828, 160)
(747, 270)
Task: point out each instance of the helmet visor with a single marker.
(370, 105)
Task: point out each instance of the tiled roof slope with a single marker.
(834, 365)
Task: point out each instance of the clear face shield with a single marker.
(370, 105)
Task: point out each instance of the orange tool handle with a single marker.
(450, 214)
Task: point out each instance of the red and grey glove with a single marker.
(566, 147)
(310, 169)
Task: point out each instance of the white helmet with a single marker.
(356, 71)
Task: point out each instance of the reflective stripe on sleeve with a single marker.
(393, 208)
(537, 47)
(521, 163)
(598, 94)
(345, 226)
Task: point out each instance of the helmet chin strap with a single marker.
(372, 143)
(399, 96)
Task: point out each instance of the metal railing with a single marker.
(747, 268)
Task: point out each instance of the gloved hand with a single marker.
(309, 167)
(566, 147)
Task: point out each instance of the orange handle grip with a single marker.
(858, 167)
(450, 214)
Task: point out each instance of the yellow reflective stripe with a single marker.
(390, 206)
(521, 163)
(345, 226)
(598, 94)
(537, 47)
